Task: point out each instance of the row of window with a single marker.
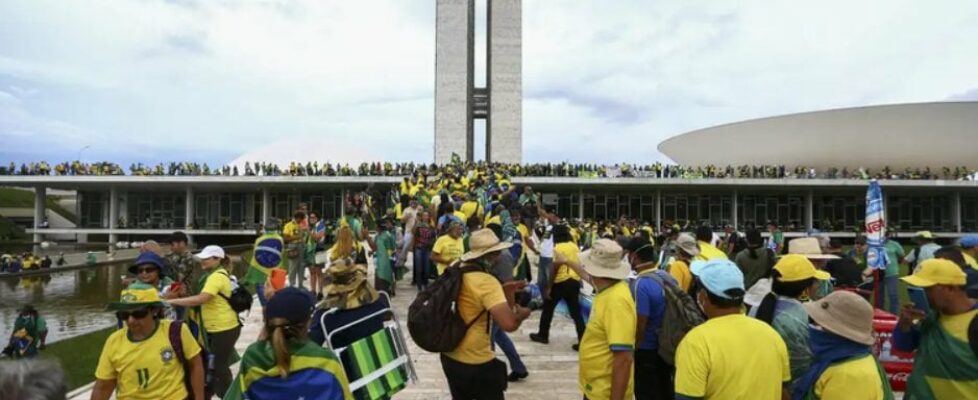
(829, 213)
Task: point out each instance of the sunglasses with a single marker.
(137, 314)
(146, 269)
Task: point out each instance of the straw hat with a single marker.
(844, 314)
(808, 247)
(482, 242)
(604, 260)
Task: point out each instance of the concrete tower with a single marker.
(457, 101)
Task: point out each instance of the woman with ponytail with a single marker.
(285, 364)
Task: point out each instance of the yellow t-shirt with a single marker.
(968, 259)
(461, 216)
(480, 291)
(495, 219)
(570, 252)
(679, 269)
(147, 369)
(524, 237)
(957, 325)
(611, 328)
(470, 208)
(732, 357)
(852, 379)
(448, 247)
(710, 252)
(217, 313)
(291, 229)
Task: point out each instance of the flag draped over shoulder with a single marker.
(314, 373)
(875, 227)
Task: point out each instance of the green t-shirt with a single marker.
(894, 252)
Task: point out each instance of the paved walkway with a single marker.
(553, 367)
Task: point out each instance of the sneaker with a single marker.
(516, 377)
(536, 337)
(575, 346)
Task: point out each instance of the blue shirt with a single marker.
(650, 302)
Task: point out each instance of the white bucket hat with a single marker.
(604, 260)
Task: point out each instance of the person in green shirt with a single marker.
(383, 246)
(887, 288)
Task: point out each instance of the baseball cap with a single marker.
(937, 271)
(719, 276)
(688, 244)
(292, 304)
(209, 252)
(796, 267)
(969, 241)
(923, 235)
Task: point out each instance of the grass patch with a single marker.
(25, 199)
(79, 356)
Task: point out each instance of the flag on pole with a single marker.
(875, 227)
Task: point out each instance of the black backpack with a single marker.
(240, 300)
(433, 317)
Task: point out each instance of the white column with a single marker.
(113, 217)
(809, 211)
(658, 209)
(40, 205)
(342, 202)
(189, 204)
(580, 204)
(956, 216)
(266, 205)
(733, 210)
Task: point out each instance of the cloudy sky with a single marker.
(153, 80)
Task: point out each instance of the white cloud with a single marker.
(226, 77)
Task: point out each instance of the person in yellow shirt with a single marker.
(221, 323)
(471, 207)
(969, 250)
(448, 248)
(606, 353)
(730, 356)
(686, 249)
(139, 361)
(566, 286)
(472, 369)
(704, 235)
(843, 367)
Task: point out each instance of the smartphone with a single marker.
(919, 298)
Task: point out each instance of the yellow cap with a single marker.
(796, 267)
(136, 297)
(937, 271)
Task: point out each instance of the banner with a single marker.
(875, 227)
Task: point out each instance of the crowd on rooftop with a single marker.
(562, 169)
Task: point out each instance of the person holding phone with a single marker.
(946, 363)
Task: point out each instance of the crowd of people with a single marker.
(672, 312)
(563, 169)
(11, 263)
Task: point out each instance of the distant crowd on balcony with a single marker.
(562, 169)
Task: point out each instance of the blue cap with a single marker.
(719, 276)
(969, 241)
(148, 257)
(293, 304)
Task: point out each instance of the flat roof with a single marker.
(253, 183)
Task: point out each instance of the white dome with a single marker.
(306, 149)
